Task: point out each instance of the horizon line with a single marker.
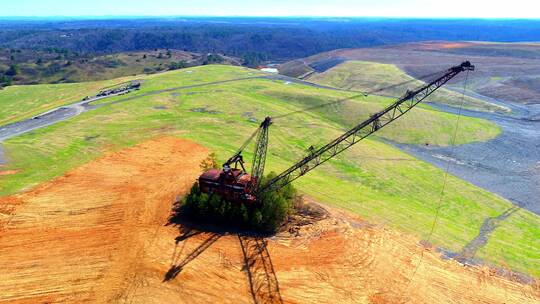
(263, 16)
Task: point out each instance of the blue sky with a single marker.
(375, 8)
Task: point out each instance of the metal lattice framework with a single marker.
(362, 130)
(259, 158)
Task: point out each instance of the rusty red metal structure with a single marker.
(233, 183)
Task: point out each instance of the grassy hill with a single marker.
(21, 102)
(372, 179)
(371, 76)
(504, 71)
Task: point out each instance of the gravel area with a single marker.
(507, 165)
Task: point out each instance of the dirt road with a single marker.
(98, 234)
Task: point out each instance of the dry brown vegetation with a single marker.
(98, 234)
(507, 71)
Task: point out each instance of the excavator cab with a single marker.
(233, 184)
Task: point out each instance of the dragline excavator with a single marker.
(233, 183)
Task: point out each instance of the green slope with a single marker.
(372, 179)
(21, 102)
(368, 76)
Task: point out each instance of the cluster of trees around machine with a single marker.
(267, 215)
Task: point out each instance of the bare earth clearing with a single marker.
(98, 235)
(504, 71)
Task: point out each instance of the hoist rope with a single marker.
(445, 181)
(362, 94)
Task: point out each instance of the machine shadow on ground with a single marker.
(263, 282)
(258, 266)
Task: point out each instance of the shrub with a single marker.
(178, 65)
(213, 58)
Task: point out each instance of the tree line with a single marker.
(254, 39)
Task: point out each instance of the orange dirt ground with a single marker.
(98, 235)
(436, 45)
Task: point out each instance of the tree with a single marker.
(12, 71)
(5, 81)
(214, 206)
(257, 220)
(210, 162)
(182, 64)
(244, 213)
(254, 59)
(213, 58)
(173, 66)
(178, 65)
(202, 204)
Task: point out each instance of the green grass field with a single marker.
(21, 102)
(369, 76)
(373, 179)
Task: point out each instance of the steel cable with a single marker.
(445, 180)
(362, 94)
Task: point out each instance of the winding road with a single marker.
(65, 112)
(47, 118)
